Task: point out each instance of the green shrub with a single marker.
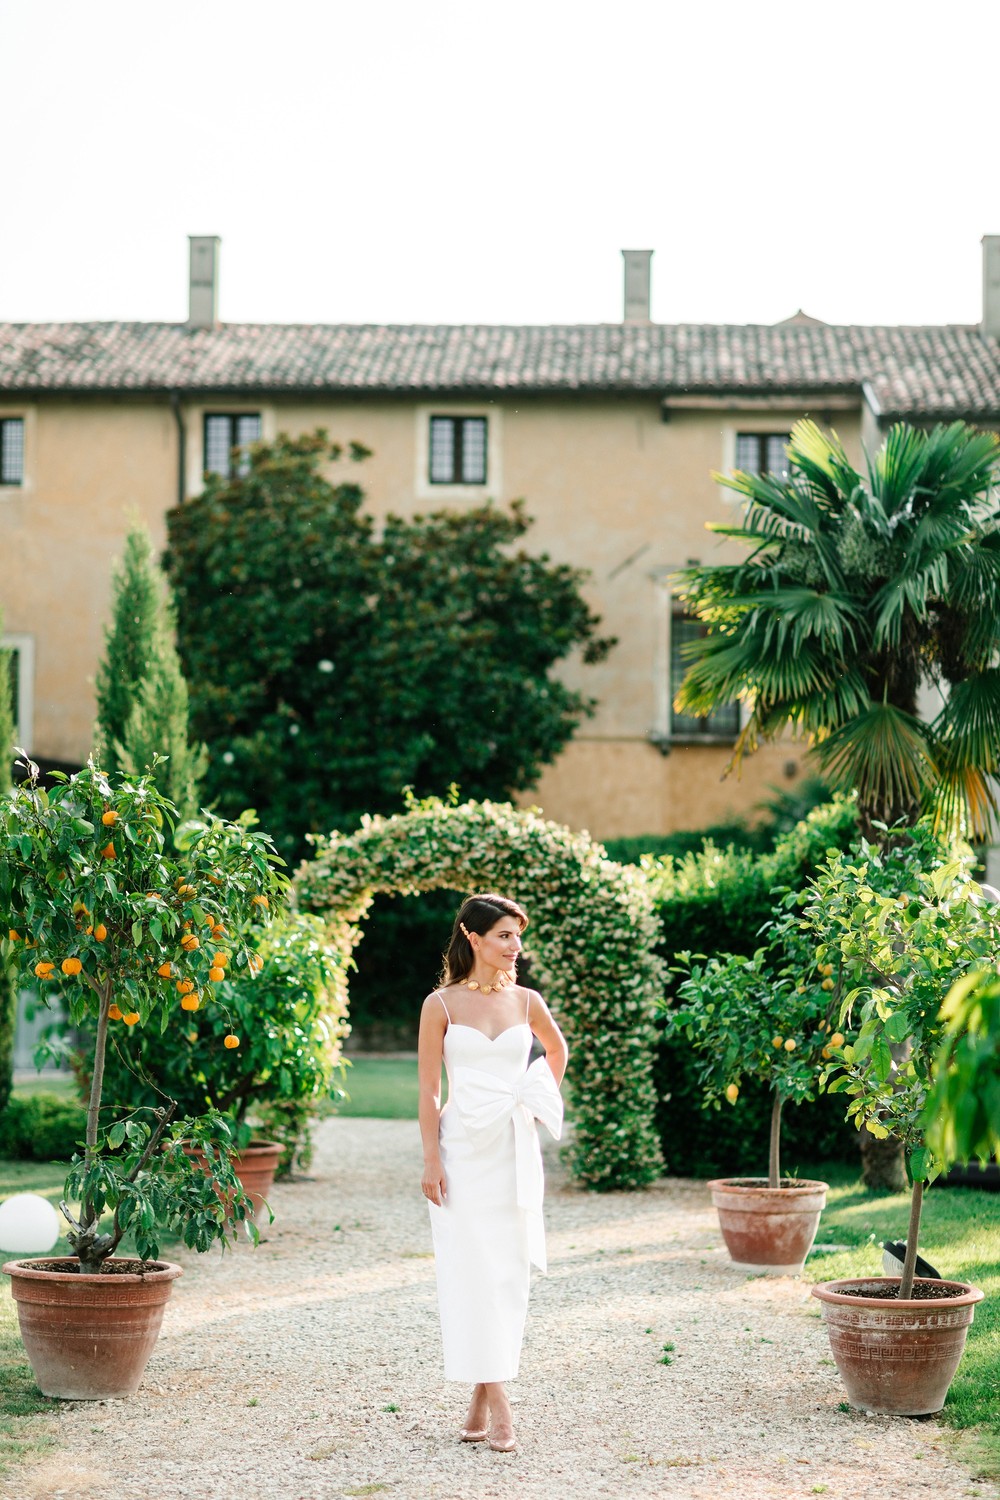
(41, 1127)
(718, 900)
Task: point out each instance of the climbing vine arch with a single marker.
(591, 937)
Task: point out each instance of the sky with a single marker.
(410, 161)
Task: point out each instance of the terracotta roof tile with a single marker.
(941, 371)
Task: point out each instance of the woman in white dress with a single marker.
(482, 1162)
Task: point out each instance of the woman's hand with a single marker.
(432, 1183)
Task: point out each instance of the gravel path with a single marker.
(310, 1368)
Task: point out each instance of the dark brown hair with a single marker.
(478, 913)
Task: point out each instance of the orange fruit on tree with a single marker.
(260, 901)
(109, 818)
(216, 975)
(43, 968)
(230, 1041)
(837, 1040)
(100, 932)
(209, 919)
(185, 890)
(71, 966)
(130, 1017)
(114, 1013)
(777, 1041)
(190, 1002)
(790, 1044)
(185, 986)
(15, 937)
(108, 852)
(732, 1093)
(220, 960)
(827, 984)
(189, 942)
(165, 970)
(218, 931)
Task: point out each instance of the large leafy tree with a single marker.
(331, 665)
(857, 589)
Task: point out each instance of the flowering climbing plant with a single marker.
(591, 937)
(99, 907)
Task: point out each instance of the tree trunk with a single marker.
(882, 1162)
(912, 1236)
(774, 1153)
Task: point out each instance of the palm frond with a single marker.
(967, 730)
(897, 467)
(883, 753)
(964, 802)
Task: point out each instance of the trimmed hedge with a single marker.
(41, 1127)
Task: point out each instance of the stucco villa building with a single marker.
(610, 432)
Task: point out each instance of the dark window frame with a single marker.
(233, 418)
(13, 423)
(458, 423)
(720, 727)
(762, 440)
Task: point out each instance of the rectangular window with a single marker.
(18, 659)
(724, 723)
(763, 453)
(11, 450)
(458, 450)
(226, 432)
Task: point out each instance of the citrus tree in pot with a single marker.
(96, 903)
(905, 924)
(767, 1017)
(290, 1013)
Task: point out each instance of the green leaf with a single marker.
(881, 1058)
(898, 1027)
(137, 933)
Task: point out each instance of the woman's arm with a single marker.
(430, 1045)
(548, 1033)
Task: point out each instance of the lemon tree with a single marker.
(592, 935)
(904, 925)
(769, 1016)
(99, 906)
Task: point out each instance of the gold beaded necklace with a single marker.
(484, 989)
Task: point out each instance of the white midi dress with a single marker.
(490, 1232)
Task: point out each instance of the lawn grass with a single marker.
(960, 1236)
(63, 1085)
(381, 1087)
(21, 1438)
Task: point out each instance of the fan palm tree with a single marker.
(857, 589)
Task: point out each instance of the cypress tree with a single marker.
(142, 697)
(136, 606)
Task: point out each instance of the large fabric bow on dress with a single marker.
(485, 1103)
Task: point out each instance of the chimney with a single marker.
(203, 286)
(991, 285)
(636, 285)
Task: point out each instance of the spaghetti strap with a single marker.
(527, 1007)
(443, 1006)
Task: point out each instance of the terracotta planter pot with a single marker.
(897, 1358)
(255, 1167)
(89, 1337)
(768, 1230)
